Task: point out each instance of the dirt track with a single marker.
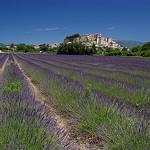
(62, 120)
(2, 69)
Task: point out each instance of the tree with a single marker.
(73, 36)
(109, 49)
(44, 47)
(52, 51)
(117, 50)
(146, 46)
(136, 49)
(146, 53)
(12, 45)
(21, 47)
(74, 49)
(124, 49)
(3, 48)
(36, 50)
(29, 48)
(94, 48)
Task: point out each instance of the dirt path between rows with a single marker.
(2, 69)
(78, 142)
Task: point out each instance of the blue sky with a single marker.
(46, 21)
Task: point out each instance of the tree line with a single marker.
(143, 51)
(27, 48)
(81, 49)
(75, 48)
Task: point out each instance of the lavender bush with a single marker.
(3, 58)
(114, 110)
(24, 122)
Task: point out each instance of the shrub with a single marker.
(146, 53)
(146, 46)
(73, 36)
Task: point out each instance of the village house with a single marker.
(89, 39)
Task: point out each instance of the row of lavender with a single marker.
(132, 89)
(126, 67)
(25, 123)
(123, 63)
(3, 58)
(121, 127)
(109, 67)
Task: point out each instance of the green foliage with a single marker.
(108, 54)
(75, 49)
(117, 50)
(136, 49)
(124, 49)
(12, 45)
(88, 90)
(73, 36)
(146, 46)
(99, 51)
(44, 47)
(52, 51)
(146, 53)
(13, 87)
(143, 51)
(29, 48)
(21, 47)
(26, 48)
(3, 48)
(108, 49)
(113, 52)
(93, 50)
(100, 48)
(36, 50)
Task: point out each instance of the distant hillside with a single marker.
(2, 44)
(129, 43)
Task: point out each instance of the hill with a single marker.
(130, 43)
(2, 44)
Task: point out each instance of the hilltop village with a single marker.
(90, 39)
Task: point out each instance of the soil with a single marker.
(63, 120)
(2, 69)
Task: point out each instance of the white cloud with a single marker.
(42, 29)
(111, 28)
(46, 29)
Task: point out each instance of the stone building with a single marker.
(94, 39)
(84, 38)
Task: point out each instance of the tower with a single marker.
(98, 38)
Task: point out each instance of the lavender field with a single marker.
(107, 97)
